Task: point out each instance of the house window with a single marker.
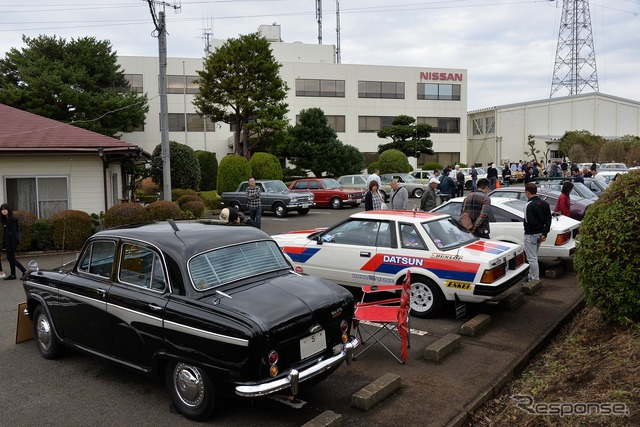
(439, 92)
(195, 123)
(43, 196)
(478, 126)
(177, 84)
(320, 88)
(490, 124)
(135, 82)
(441, 124)
(386, 90)
(374, 123)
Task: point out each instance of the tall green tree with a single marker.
(408, 137)
(77, 82)
(589, 142)
(241, 85)
(314, 145)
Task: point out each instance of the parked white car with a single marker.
(379, 247)
(506, 222)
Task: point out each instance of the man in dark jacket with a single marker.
(478, 206)
(460, 179)
(447, 188)
(537, 223)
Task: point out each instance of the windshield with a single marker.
(229, 264)
(409, 178)
(275, 187)
(447, 234)
(330, 183)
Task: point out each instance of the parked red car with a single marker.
(328, 192)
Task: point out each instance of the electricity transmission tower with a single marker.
(575, 64)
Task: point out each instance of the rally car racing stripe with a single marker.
(298, 254)
(443, 268)
(490, 247)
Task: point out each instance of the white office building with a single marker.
(358, 100)
(500, 134)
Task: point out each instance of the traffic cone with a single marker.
(498, 184)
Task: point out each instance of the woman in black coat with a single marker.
(10, 239)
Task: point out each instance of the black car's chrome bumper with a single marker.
(295, 377)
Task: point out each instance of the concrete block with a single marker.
(367, 397)
(555, 272)
(325, 419)
(476, 325)
(511, 301)
(531, 287)
(441, 348)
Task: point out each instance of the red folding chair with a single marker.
(378, 319)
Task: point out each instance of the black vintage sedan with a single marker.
(213, 308)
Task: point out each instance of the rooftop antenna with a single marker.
(338, 31)
(575, 64)
(207, 33)
(319, 18)
(161, 33)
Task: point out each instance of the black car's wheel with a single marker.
(191, 390)
(417, 193)
(280, 210)
(46, 339)
(236, 206)
(336, 203)
(426, 298)
(303, 211)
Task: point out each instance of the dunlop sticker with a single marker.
(465, 286)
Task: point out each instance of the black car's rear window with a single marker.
(231, 263)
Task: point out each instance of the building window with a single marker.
(135, 82)
(337, 123)
(176, 84)
(386, 90)
(43, 196)
(439, 92)
(319, 87)
(441, 124)
(478, 126)
(490, 124)
(374, 123)
(195, 123)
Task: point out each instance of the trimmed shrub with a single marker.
(164, 209)
(179, 192)
(25, 221)
(265, 166)
(211, 199)
(185, 170)
(196, 207)
(126, 213)
(232, 171)
(606, 257)
(70, 229)
(188, 198)
(393, 161)
(42, 235)
(208, 170)
(431, 166)
(373, 166)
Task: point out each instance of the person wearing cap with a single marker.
(232, 216)
(429, 198)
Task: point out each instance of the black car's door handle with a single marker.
(364, 254)
(155, 307)
(101, 292)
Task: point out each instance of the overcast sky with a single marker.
(507, 46)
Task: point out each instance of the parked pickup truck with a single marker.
(274, 196)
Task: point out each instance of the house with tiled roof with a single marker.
(47, 166)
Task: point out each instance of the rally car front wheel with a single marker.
(426, 298)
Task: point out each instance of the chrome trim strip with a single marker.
(205, 334)
(94, 302)
(128, 315)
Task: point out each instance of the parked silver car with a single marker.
(414, 187)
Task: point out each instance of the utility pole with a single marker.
(161, 31)
(575, 64)
(338, 31)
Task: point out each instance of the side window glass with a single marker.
(410, 238)
(357, 232)
(314, 185)
(140, 267)
(98, 259)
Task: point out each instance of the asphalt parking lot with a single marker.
(78, 390)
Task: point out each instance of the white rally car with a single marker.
(379, 247)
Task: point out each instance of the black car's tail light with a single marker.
(273, 360)
(344, 327)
